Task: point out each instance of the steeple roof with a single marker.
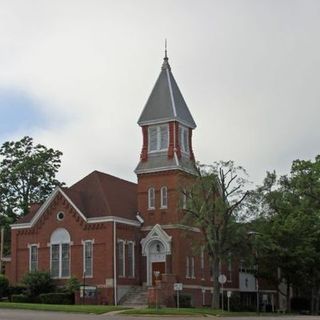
(166, 102)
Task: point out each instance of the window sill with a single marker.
(68, 277)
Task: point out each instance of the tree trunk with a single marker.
(288, 297)
(313, 300)
(316, 311)
(216, 286)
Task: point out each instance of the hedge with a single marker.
(56, 298)
(20, 298)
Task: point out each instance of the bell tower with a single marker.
(167, 156)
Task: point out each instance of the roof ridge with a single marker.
(97, 176)
(112, 176)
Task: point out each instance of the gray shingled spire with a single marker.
(166, 102)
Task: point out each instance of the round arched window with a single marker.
(60, 216)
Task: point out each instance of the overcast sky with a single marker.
(75, 75)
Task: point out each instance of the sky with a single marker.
(76, 74)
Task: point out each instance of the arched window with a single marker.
(164, 197)
(60, 253)
(151, 198)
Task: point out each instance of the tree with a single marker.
(27, 175)
(289, 225)
(214, 200)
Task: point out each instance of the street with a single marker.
(6, 314)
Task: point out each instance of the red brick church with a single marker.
(113, 234)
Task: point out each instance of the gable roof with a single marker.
(166, 102)
(98, 195)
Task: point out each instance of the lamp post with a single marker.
(156, 274)
(254, 234)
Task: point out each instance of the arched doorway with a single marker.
(156, 246)
(157, 260)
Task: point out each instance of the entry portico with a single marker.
(156, 246)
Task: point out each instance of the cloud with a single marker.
(249, 71)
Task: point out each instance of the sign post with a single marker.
(229, 293)
(177, 287)
(222, 280)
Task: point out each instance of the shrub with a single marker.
(4, 286)
(38, 282)
(56, 298)
(72, 285)
(300, 304)
(17, 290)
(20, 298)
(184, 300)
(235, 302)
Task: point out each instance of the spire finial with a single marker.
(165, 49)
(165, 64)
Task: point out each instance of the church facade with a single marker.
(116, 236)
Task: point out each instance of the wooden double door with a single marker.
(158, 266)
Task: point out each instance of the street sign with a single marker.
(229, 293)
(177, 286)
(222, 279)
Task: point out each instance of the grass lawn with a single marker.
(96, 309)
(191, 312)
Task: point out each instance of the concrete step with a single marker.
(136, 296)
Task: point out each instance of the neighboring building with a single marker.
(113, 234)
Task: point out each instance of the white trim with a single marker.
(44, 207)
(88, 220)
(30, 246)
(60, 260)
(156, 233)
(139, 218)
(166, 120)
(158, 138)
(166, 168)
(171, 94)
(84, 258)
(114, 219)
(172, 226)
(6, 259)
(176, 158)
(163, 195)
(151, 198)
(133, 258)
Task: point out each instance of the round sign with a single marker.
(222, 279)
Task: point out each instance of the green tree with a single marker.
(27, 175)
(213, 204)
(289, 228)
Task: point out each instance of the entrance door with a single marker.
(158, 266)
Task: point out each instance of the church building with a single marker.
(117, 237)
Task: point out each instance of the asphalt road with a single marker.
(41, 315)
